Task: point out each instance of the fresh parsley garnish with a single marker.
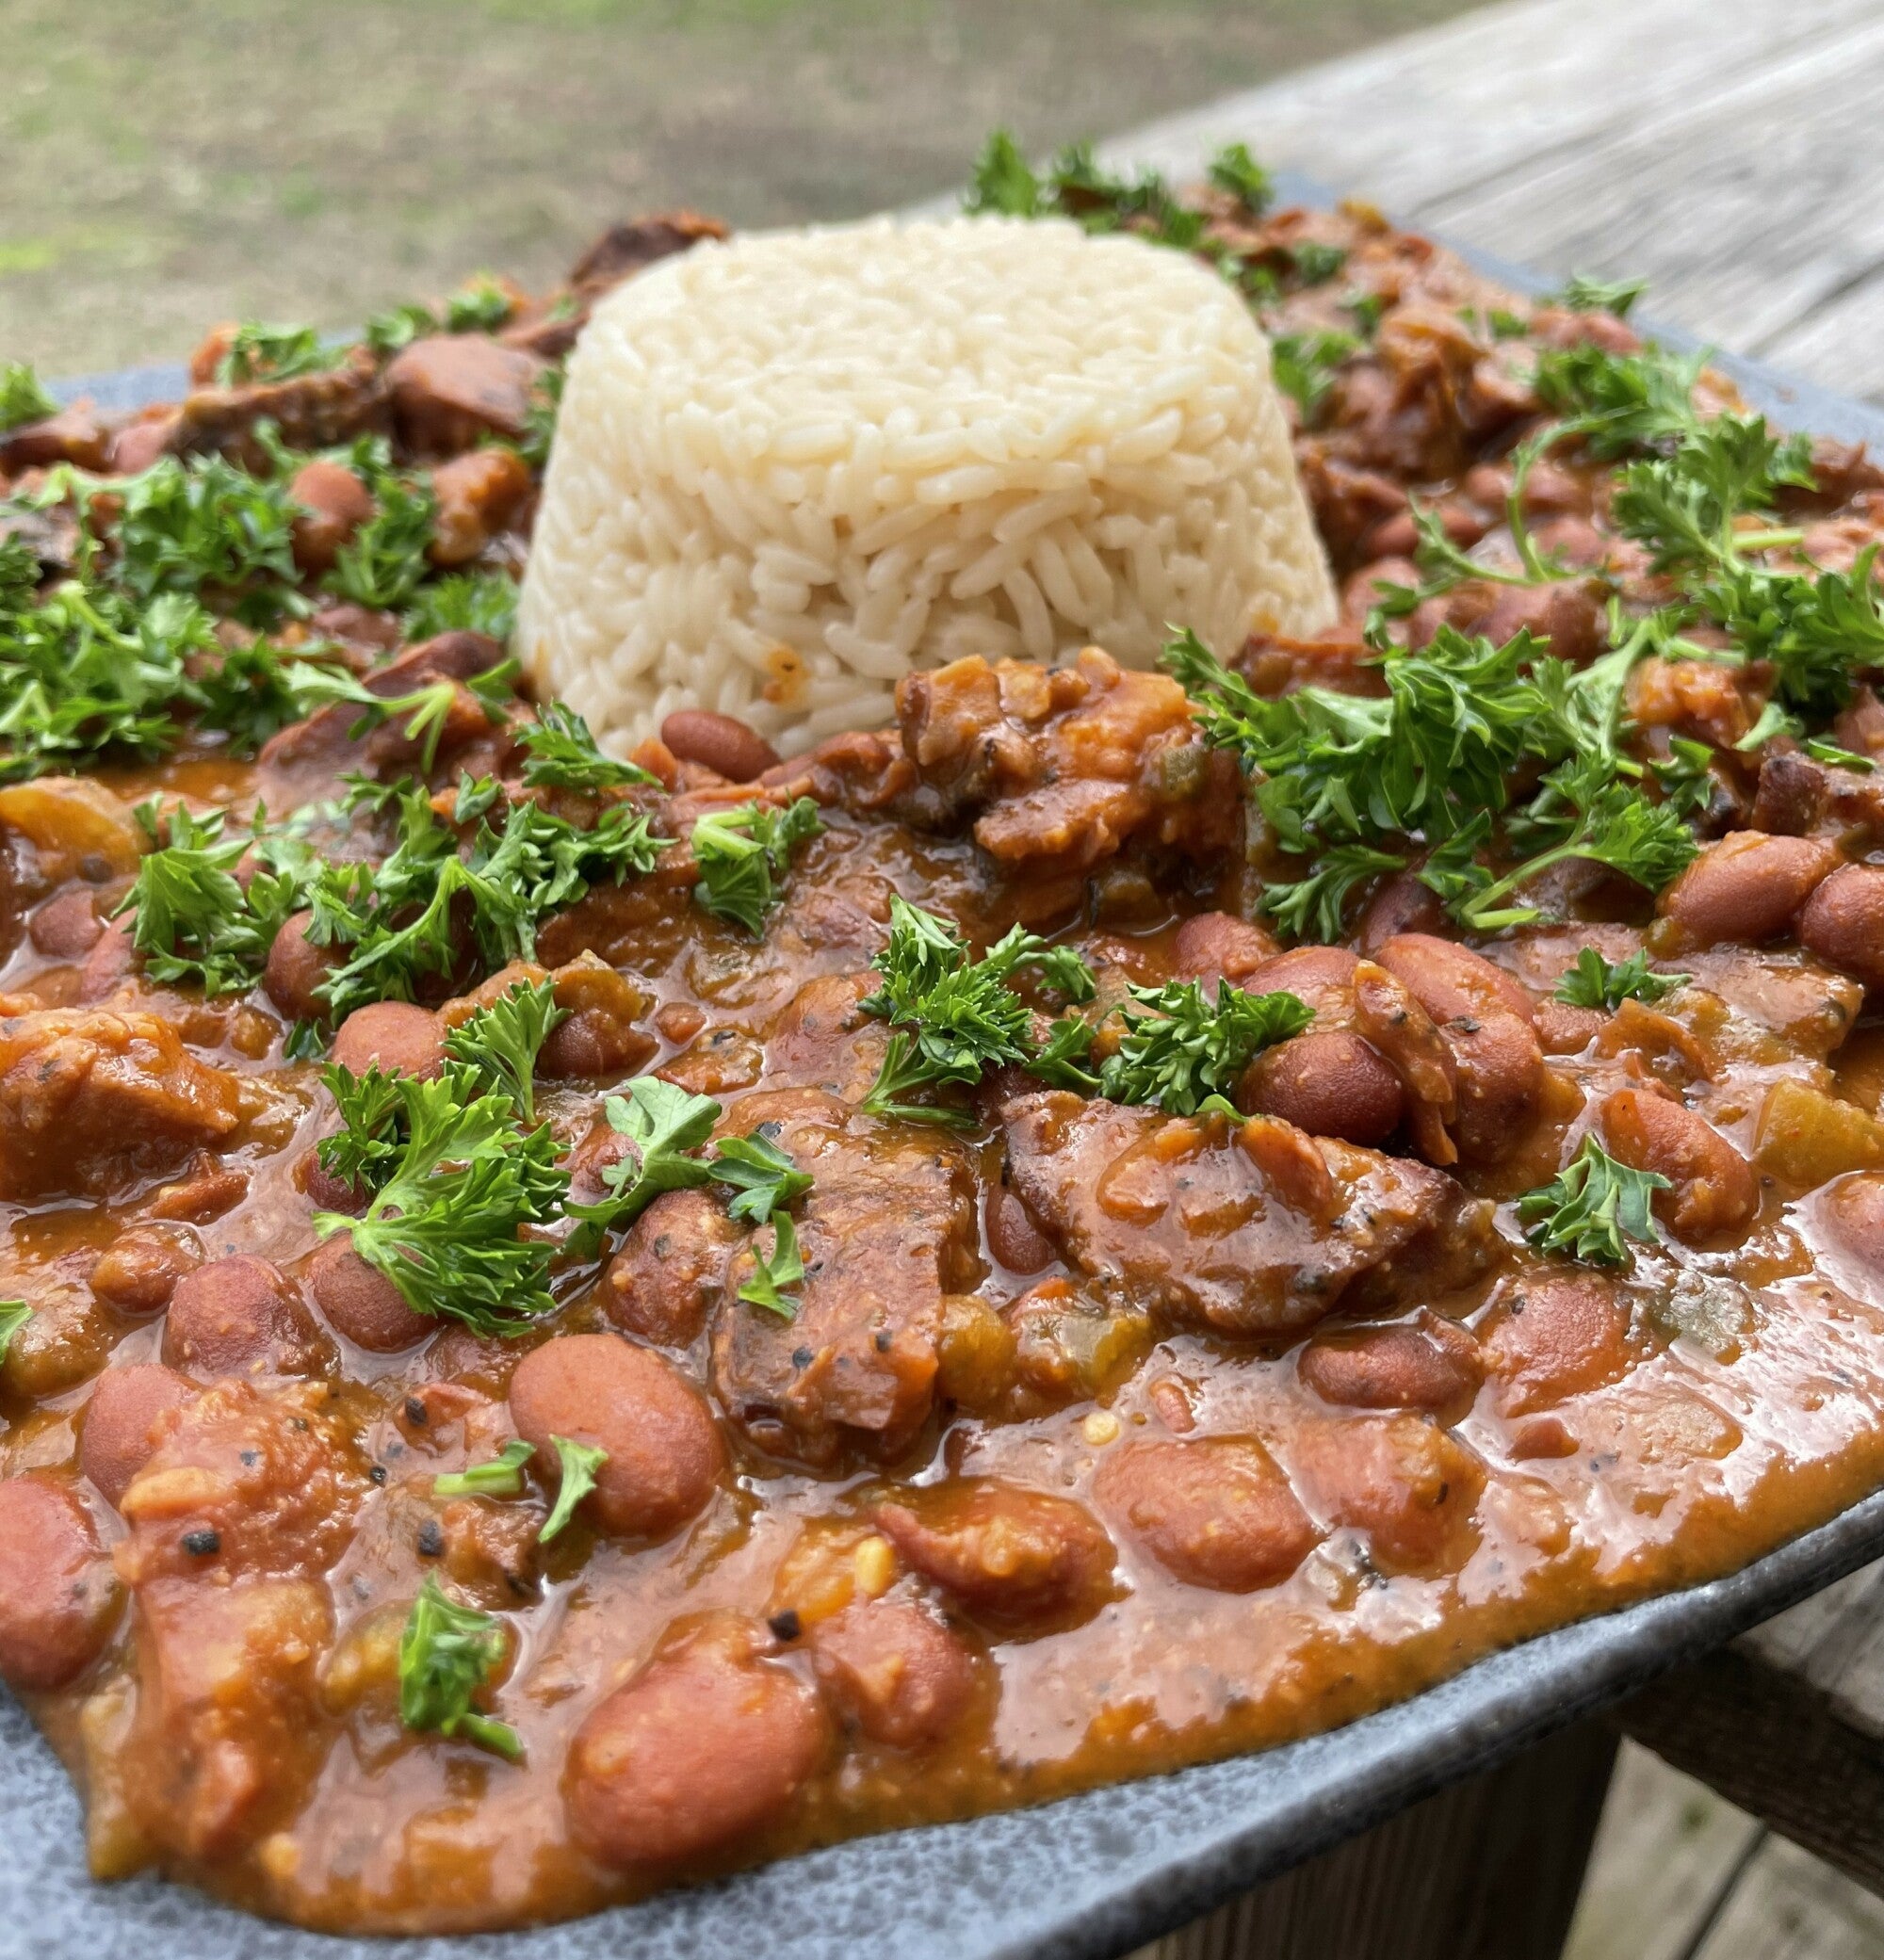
(398, 923)
(463, 601)
(1304, 365)
(501, 1042)
(1350, 782)
(479, 306)
(22, 397)
(502, 1476)
(1592, 1207)
(765, 1177)
(446, 1654)
(192, 920)
(1186, 1048)
(1235, 171)
(1581, 294)
(775, 1273)
(741, 851)
(663, 1123)
(1593, 982)
(384, 563)
(260, 352)
(562, 754)
(14, 1314)
(455, 1189)
(206, 524)
(580, 1460)
(954, 1016)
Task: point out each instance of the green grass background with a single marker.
(172, 165)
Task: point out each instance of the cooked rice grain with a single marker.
(791, 467)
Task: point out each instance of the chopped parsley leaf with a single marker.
(1187, 1049)
(579, 1461)
(501, 1042)
(561, 752)
(952, 1016)
(764, 1176)
(1592, 1207)
(22, 397)
(502, 1476)
(773, 1273)
(741, 850)
(14, 1314)
(1593, 982)
(446, 1654)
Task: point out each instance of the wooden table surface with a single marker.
(1732, 152)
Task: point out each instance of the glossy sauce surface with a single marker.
(1104, 1441)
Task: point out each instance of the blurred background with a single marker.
(208, 160)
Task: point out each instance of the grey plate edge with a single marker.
(1272, 1809)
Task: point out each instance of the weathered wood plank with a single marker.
(1488, 1870)
(1788, 1906)
(1838, 342)
(1430, 115)
(1791, 1749)
(1744, 208)
(1666, 1854)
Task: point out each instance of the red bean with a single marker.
(893, 1667)
(120, 1420)
(334, 504)
(296, 967)
(707, 1745)
(1557, 1336)
(110, 963)
(1842, 922)
(396, 1036)
(1712, 1190)
(718, 743)
(1320, 975)
(1218, 946)
(1486, 1021)
(1328, 1082)
(56, 1591)
(139, 1271)
(1853, 1210)
(1747, 887)
(325, 1191)
(1426, 1362)
(67, 926)
(1404, 1481)
(1018, 1557)
(234, 1317)
(1014, 1238)
(1403, 904)
(664, 1453)
(1217, 1513)
(361, 1302)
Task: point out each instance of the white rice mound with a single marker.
(791, 467)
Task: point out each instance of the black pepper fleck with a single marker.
(431, 1538)
(202, 1544)
(378, 1473)
(801, 1357)
(249, 1458)
(416, 1412)
(882, 1340)
(786, 1625)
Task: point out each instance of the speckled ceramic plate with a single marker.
(1086, 1878)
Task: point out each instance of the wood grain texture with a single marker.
(1789, 1724)
(1788, 1906)
(1669, 1854)
(1488, 1870)
(1725, 150)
